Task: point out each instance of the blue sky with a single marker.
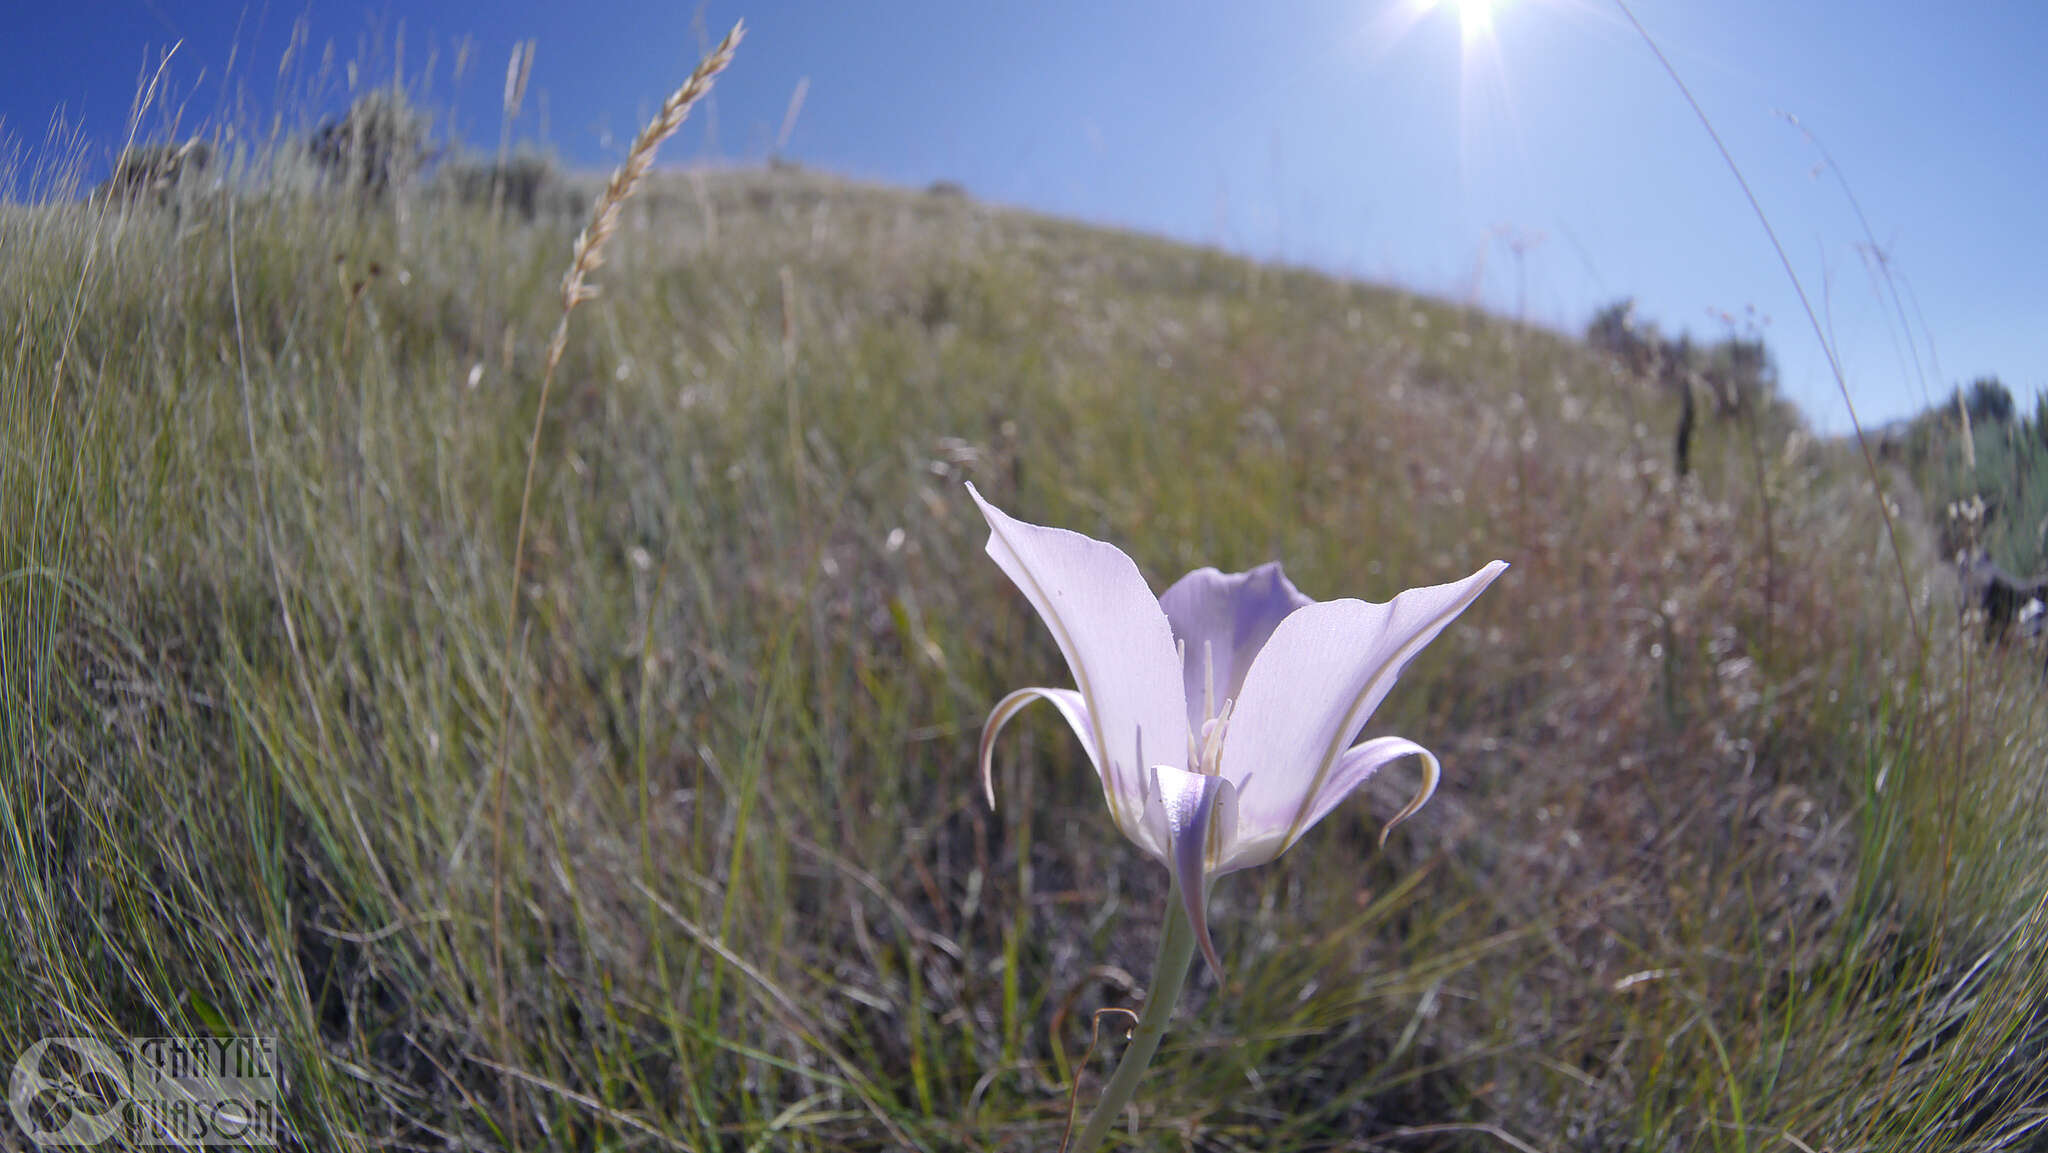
(1368, 137)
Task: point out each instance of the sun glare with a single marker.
(1485, 101)
(1475, 17)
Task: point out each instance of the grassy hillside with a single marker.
(1739, 847)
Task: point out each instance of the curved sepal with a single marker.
(1357, 766)
(1067, 701)
(1432, 772)
(1200, 814)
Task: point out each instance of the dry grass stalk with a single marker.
(587, 256)
(518, 70)
(588, 252)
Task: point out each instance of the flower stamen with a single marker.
(1208, 679)
(1208, 761)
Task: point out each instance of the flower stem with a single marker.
(1169, 974)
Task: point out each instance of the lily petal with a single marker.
(1310, 690)
(1200, 815)
(1117, 643)
(1223, 620)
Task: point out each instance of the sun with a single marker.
(1397, 18)
(1475, 17)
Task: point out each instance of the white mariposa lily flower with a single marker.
(1219, 715)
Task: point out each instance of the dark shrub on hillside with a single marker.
(1613, 329)
(1990, 401)
(1637, 347)
(1733, 379)
(522, 184)
(1737, 373)
(152, 173)
(1741, 374)
(379, 144)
